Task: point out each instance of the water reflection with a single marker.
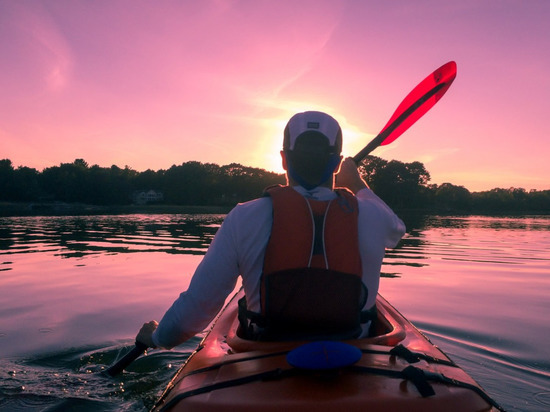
(480, 239)
(75, 237)
(419, 222)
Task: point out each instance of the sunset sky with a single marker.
(150, 84)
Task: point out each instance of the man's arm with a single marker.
(213, 280)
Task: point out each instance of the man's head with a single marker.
(311, 148)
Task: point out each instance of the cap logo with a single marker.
(312, 125)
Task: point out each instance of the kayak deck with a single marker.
(399, 370)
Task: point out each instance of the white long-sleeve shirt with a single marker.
(239, 248)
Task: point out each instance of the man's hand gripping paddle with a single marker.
(421, 99)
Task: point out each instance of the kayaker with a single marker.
(358, 227)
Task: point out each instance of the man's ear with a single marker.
(284, 161)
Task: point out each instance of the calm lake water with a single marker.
(75, 290)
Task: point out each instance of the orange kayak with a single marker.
(398, 369)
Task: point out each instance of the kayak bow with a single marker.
(398, 369)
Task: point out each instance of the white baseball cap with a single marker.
(312, 121)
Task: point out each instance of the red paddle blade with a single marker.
(421, 99)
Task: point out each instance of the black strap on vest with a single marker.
(307, 304)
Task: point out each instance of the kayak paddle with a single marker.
(421, 99)
(131, 356)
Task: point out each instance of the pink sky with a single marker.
(150, 84)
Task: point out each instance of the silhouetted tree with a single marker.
(121, 184)
(190, 183)
(149, 179)
(399, 184)
(451, 197)
(241, 183)
(25, 185)
(6, 180)
(66, 182)
(539, 200)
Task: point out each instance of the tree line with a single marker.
(406, 186)
(401, 185)
(191, 183)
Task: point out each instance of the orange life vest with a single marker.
(311, 282)
(313, 233)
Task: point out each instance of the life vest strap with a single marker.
(307, 303)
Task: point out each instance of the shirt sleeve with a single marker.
(214, 279)
(388, 223)
(379, 228)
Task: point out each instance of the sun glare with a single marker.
(354, 140)
(269, 149)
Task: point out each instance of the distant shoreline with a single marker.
(23, 209)
(16, 209)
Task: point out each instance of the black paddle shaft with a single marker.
(131, 356)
